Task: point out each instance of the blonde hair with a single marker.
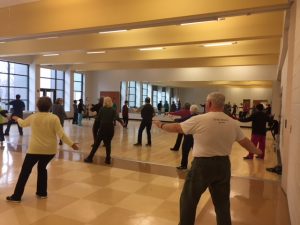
(107, 102)
(194, 109)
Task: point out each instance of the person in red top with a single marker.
(185, 112)
(125, 113)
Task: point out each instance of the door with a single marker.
(51, 93)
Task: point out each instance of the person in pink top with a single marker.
(183, 113)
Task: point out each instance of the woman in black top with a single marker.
(107, 116)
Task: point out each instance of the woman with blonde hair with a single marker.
(106, 117)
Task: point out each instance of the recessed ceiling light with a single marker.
(96, 52)
(2, 42)
(44, 38)
(152, 49)
(198, 22)
(54, 54)
(111, 31)
(219, 44)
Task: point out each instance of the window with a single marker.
(144, 92)
(14, 79)
(78, 86)
(154, 96)
(53, 80)
(131, 93)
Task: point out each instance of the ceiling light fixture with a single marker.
(198, 22)
(95, 52)
(219, 44)
(54, 54)
(2, 42)
(152, 49)
(112, 31)
(44, 38)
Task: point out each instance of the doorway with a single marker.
(51, 93)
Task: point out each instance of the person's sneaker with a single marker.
(12, 199)
(137, 144)
(181, 167)
(88, 160)
(60, 142)
(248, 158)
(173, 149)
(148, 145)
(41, 196)
(6, 134)
(259, 157)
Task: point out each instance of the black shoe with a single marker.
(148, 145)
(60, 142)
(6, 134)
(21, 134)
(181, 167)
(173, 149)
(12, 199)
(137, 144)
(41, 196)
(107, 161)
(88, 160)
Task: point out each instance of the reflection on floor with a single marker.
(141, 187)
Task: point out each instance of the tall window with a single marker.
(78, 86)
(14, 79)
(53, 80)
(154, 96)
(163, 95)
(144, 92)
(131, 93)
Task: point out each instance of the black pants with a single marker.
(75, 118)
(29, 161)
(178, 141)
(187, 144)
(125, 120)
(95, 128)
(105, 134)
(207, 172)
(145, 124)
(1, 133)
(9, 123)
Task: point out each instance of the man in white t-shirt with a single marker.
(214, 133)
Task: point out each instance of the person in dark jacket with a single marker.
(107, 116)
(75, 112)
(80, 112)
(125, 113)
(18, 106)
(173, 107)
(259, 129)
(96, 108)
(58, 109)
(147, 114)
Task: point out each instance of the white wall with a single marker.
(110, 80)
(290, 140)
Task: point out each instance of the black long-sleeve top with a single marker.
(259, 122)
(147, 112)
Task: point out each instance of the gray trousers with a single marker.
(207, 172)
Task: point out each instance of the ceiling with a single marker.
(71, 28)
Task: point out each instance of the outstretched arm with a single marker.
(169, 127)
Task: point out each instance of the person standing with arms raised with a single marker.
(214, 133)
(18, 106)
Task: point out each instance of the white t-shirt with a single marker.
(213, 132)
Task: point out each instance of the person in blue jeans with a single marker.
(80, 112)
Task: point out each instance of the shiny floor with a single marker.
(140, 187)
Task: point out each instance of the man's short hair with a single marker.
(18, 96)
(217, 99)
(44, 104)
(147, 100)
(260, 107)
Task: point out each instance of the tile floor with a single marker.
(130, 191)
